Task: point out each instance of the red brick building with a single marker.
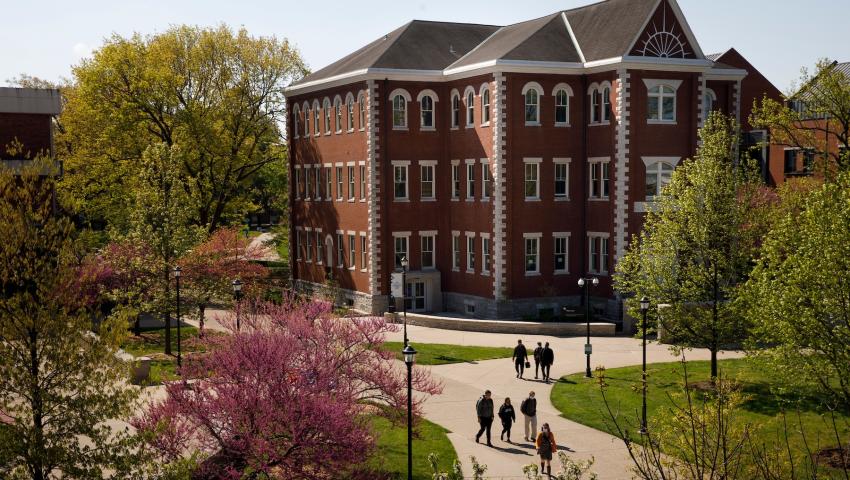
(503, 162)
(26, 123)
(829, 139)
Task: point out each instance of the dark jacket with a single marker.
(529, 406)
(507, 414)
(538, 355)
(484, 407)
(520, 353)
(548, 357)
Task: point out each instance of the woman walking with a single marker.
(545, 448)
(508, 417)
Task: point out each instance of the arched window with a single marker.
(657, 176)
(562, 107)
(338, 111)
(326, 108)
(306, 109)
(399, 111)
(595, 98)
(708, 100)
(455, 110)
(295, 115)
(485, 104)
(361, 102)
(349, 106)
(426, 108)
(606, 104)
(316, 114)
(531, 93)
(661, 104)
(470, 108)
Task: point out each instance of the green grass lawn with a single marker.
(151, 342)
(441, 354)
(391, 453)
(579, 399)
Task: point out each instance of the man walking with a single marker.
(520, 358)
(548, 358)
(538, 356)
(484, 410)
(528, 407)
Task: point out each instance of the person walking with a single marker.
(520, 358)
(508, 417)
(528, 407)
(484, 410)
(538, 358)
(547, 358)
(545, 448)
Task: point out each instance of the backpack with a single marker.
(522, 406)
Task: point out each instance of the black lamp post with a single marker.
(585, 283)
(644, 307)
(409, 357)
(177, 273)
(237, 294)
(404, 264)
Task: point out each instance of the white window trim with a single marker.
(452, 125)
(532, 160)
(470, 179)
(455, 235)
(434, 99)
(406, 165)
(566, 88)
(466, 116)
(532, 86)
(319, 241)
(674, 84)
(316, 131)
(363, 253)
(562, 161)
(433, 165)
(407, 253)
(470, 236)
(364, 180)
(592, 237)
(349, 100)
(566, 235)
(602, 197)
(352, 252)
(485, 87)
(674, 161)
(407, 99)
(433, 235)
(526, 236)
(361, 102)
(338, 114)
(485, 236)
(485, 166)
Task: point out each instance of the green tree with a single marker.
(59, 381)
(695, 247)
(160, 219)
(798, 295)
(215, 92)
(823, 112)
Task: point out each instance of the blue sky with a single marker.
(47, 38)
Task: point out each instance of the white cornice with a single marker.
(509, 66)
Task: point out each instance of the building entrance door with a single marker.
(415, 296)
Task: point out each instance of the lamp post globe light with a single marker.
(237, 294)
(585, 283)
(644, 308)
(404, 263)
(409, 354)
(177, 273)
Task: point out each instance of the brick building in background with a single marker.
(503, 162)
(789, 161)
(26, 123)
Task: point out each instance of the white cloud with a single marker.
(82, 49)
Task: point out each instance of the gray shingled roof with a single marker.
(602, 30)
(418, 45)
(606, 29)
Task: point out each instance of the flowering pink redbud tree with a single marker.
(286, 397)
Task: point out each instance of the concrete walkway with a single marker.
(464, 383)
(263, 243)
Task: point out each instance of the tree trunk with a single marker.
(201, 308)
(37, 457)
(166, 314)
(713, 364)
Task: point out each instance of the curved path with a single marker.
(463, 383)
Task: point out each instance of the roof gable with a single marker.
(551, 43)
(666, 35)
(607, 29)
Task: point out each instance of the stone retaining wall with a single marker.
(558, 329)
